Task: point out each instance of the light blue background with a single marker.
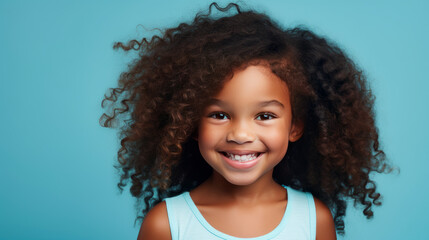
(56, 62)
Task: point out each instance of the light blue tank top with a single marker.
(298, 222)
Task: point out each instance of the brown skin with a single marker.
(251, 114)
(266, 206)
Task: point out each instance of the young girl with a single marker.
(238, 129)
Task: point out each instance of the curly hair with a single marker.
(161, 96)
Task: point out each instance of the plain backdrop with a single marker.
(57, 179)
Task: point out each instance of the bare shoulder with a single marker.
(325, 226)
(155, 224)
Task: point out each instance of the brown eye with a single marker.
(219, 115)
(265, 116)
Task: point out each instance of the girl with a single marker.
(238, 129)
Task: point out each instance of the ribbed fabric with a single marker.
(298, 222)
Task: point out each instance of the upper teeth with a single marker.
(242, 158)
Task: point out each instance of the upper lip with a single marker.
(241, 152)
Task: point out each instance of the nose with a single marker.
(240, 133)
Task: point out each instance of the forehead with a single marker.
(254, 84)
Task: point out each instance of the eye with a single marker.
(265, 116)
(218, 115)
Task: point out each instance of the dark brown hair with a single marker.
(161, 96)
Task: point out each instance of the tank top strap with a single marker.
(303, 212)
(178, 215)
(312, 213)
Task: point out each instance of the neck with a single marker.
(264, 188)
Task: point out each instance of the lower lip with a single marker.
(242, 165)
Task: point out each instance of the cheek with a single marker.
(276, 139)
(207, 138)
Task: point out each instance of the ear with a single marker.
(296, 131)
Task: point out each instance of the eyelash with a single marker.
(223, 116)
(216, 115)
(268, 115)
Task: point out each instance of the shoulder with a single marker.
(325, 226)
(155, 224)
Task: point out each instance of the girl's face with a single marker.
(246, 129)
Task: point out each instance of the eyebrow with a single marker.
(221, 103)
(271, 102)
(218, 102)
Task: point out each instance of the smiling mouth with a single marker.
(243, 157)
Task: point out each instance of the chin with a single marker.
(240, 180)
